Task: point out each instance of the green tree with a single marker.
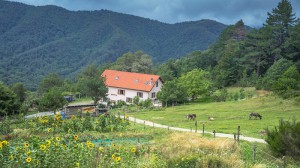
(288, 85)
(20, 91)
(92, 84)
(197, 83)
(227, 72)
(172, 92)
(168, 71)
(52, 100)
(50, 81)
(257, 52)
(292, 45)
(134, 62)
(9, 103)
(275, 72)
(280, 20)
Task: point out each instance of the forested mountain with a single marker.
(35, 41)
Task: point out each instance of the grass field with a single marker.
(227, 115)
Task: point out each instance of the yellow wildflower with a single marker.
(113, 156)
(43, 147)
(75, 137)
(133, 150)
(11, 157)
(5, 142)
(57, 138)
(118, 158)
(26, 145)
(101, 149)
(49, 129)
(28, 160)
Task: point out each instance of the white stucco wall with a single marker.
(155, 89)
(114, 96)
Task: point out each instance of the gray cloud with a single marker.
(253, 12)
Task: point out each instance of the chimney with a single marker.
(151, 81)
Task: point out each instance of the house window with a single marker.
(121, 92)
(128, 100)
(139, 94)
(153, 95)
(156, 84)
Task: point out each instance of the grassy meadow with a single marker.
(227, 115)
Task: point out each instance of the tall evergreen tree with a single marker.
(257, 51)
(280, 21)
(292, 45)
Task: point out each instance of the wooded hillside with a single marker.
(35, 41)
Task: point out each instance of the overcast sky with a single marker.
(253, 12)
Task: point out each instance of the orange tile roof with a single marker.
(129, 80)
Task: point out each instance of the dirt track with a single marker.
(150, 123)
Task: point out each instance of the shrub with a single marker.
(242, 94)
(236, 96)
(284, 140)
(146, 103)
(136, 100)
(220, 95)
(5, 127)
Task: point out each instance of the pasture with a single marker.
(227, 115)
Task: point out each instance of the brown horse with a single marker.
(191, 116)
(255, 115)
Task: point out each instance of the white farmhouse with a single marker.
(126, 85)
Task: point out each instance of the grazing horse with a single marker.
(191, 116)
(255, 115)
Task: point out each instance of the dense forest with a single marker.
(36, 41)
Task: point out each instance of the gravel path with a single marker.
(150, 123)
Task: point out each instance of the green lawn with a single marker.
(227, 115)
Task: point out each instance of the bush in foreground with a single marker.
(284, 140)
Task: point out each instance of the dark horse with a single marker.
(191, 116)
(255, 115)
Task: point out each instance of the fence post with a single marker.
(214, 131)
(283, 162)
(238, 133)
(203, 130)
(134, 121)
(254, 152)
(196, 125)
(234, 136)
(168, 128)
(144, 124)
